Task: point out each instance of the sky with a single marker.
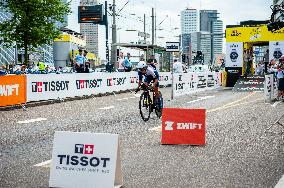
(168, 11)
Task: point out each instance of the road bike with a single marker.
(146, 104)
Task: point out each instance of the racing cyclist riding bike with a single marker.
(150, 75)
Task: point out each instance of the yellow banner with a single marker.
(253, 34)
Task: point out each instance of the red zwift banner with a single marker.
(183, 126)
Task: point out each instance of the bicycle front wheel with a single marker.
(145, 106)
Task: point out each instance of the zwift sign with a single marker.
(183, 126)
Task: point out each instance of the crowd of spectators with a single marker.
(39, 68)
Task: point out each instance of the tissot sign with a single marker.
(172, 46)
(85, 160)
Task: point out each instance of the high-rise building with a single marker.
(206, 19)
(217, 29)
(189, 21)
(209, 22)
(90, 31)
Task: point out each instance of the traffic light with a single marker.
(183, 58)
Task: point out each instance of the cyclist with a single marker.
(150, 75)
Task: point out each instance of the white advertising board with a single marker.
(234, 54)
(187, 83)
(276, 50)
(85, 160)
(50, 86)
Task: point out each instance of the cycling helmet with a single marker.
(141, 65)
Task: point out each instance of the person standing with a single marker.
(266, 61)
(79, 62)
(120, 62)
(86, 63)
(127, 63)
(177, 67)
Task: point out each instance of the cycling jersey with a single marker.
(151, 75)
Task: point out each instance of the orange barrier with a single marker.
(12, 90)
(183, 126)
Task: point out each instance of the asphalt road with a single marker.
(238, 153)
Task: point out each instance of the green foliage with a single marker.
(32, 22)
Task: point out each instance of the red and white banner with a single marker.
(183, 126)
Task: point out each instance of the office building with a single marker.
(209, 22)
(90, 31)
(189, 21)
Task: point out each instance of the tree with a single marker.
(32, 22)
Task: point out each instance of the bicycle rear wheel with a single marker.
(159, 107)
(145, 106)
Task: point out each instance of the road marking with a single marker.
(132, 97)
(157, 129)
(32, 120)
(125, 99)
(233, 105)
(276, 103)
(107, 108)
(45, 164)
(201, 99)
(119, 99)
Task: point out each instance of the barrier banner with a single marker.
(270, 88)
(99, 83)
(85, 160)
(12, 90)
(183, 126)
(187, 83)
(50, 86)
(165, 78)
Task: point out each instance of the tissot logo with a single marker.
(182, 126)
(84, 156)
(39, 87)
(84, 149)
(88, 84)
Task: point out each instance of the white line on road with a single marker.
(201, 99)
(276, 103)
(44, 164)
(107, 108)
(132, 97)
(32, 120)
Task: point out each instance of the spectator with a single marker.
(79, 61)
(120, 62)
(2, 71)
(86, 62)
(127, 63)
(28, 70)
(152, 62)
(177, 67)
(41, 67)
(266, 61)
(18, 70)
(47, 69)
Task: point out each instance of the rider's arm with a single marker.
(140, 77)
